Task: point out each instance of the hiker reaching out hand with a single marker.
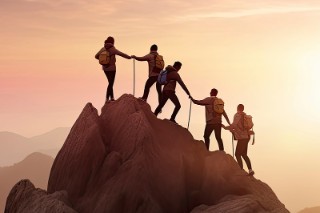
(169, 89)
(156, 64)
(107, 58)
(214, 110)
(241, 132)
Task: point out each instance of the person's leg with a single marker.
(217, 133)
(207, 132)
(161, 104)
(111, 77)
(173, 97)
(239, 152)
(245, 155)
(151, 80)
(158, 86)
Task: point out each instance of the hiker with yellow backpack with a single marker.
(241, 128)
(107, 58)
(214, 110)
(156, 64)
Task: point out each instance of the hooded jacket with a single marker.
(113, 52)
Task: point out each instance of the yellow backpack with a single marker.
(218, 105)
(159, 63)
(104, 58)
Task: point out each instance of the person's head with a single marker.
(109, 40)
(154, 47)
(240, 108)
(214, 92)
(177, 65)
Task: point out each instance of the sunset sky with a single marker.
(263, 54)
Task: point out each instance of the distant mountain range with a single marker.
(14, 147)
(311, 210)
(35, 167)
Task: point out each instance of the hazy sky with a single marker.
(264, 54)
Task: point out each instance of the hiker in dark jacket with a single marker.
(241, 134)
(110, 69)
(169, 90)
(213, 119)
(153, 76)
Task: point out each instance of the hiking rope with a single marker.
(189, 113)
(134, 77)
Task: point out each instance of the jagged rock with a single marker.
(127, 160)
(25, 198)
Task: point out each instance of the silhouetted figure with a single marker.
(241, 134)
(107, 58)
(213, 118)
(169, 90)
(152, 59)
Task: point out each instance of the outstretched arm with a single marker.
(184, 87)
(226, 117)
(144, 58)
(122, 54)
(206, 101)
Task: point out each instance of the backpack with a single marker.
(162, 77)
(248, 125)
(104, 58)
(159, 63)
(218, 105)
(247, 122)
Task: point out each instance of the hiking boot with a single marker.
(173, 121)
(111, 100)
(251, 172)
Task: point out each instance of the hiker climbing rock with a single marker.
(214, 110)
(241, 130)
(156, 64)
(107, 58)
(169, 77)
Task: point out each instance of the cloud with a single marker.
(245, 12)
(127, 17)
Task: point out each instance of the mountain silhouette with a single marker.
(14, 147)
(35, 167)
(127, 160)
(310, 210)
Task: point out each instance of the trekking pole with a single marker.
(134, 76)
(189, 113)
(232, 146)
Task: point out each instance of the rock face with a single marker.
(24, 197)
(127, 160)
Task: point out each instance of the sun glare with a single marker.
(308, 85)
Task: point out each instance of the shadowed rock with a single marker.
(25, 198)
